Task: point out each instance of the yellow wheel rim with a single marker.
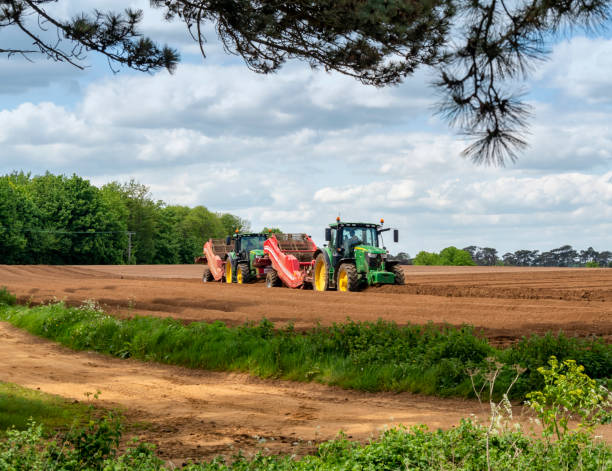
(320, 274)
(239, 276)
(228, 271)
(343, 281)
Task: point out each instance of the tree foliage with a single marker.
(114, 35)
(54, 219)
(479, 49)
(564, 256)
(448, 256)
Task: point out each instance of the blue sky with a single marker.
(299, 147)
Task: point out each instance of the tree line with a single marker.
(564, 256)
(56, 219)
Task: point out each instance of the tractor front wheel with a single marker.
(321, 274)
(243, 274)
(399, 274)
(347, 278)
(207, 276)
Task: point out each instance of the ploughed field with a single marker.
(198, 414)
(506, 303)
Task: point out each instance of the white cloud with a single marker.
(581, 68)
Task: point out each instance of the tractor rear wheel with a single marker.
(272, 279)
(399, 274)
(228, 271)
(207, 276)
(243, 274)
(347, 278)
(321, 274)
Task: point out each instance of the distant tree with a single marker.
(478, 49)
(487, 256)
(231, 223)
(448, 256)
(604, 258)
(426, 258)
(588, 255)
(142, 211)
(402, 257)
(526, 258)
(454, 256)
(18, 216)
(509, 259)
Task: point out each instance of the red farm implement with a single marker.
(292, 259)
(215, 251)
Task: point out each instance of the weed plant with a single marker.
(6, 297)
(459, 449)
(378, 356)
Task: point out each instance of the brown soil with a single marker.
(198, 414)
(506, 303)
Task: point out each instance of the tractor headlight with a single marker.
(372, 255)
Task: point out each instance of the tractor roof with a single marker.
(250, 234)
(354, 224)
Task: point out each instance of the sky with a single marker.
(297, 148)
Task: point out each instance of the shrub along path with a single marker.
(199, 414)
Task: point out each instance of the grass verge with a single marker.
(367, 356)
(19, 406)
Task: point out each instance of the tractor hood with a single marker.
(371, 249)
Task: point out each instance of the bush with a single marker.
(7, 298)
(426, 258)
(454, 256)
(592, 264)
(448, 256)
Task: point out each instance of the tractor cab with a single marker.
(239, 263)
(244, 243)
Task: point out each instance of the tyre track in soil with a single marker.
(194, 414)
(506, 303)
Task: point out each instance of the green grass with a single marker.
(366, 356)
(19, 405)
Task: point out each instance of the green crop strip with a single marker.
(377, 356)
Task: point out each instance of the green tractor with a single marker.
(242, 264)
(354, 258)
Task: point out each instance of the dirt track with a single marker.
(506, 303)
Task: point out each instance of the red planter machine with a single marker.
(292, 259)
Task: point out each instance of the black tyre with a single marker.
(207, 276)
(321, 274)
(272, 279)
(348, 280)
(399, 274)
(243, 273)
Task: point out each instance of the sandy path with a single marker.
(198, 414)
(506, 303)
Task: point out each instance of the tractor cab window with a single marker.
(251, 243)
(332, 242)
(353, 236)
